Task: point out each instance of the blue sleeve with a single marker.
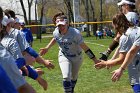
(32, 52)
(6, 85)
(20, 62)
(32, 73)
(30, 35)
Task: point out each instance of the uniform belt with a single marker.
(74, 55)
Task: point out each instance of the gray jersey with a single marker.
(12, 46)
(133, 17)
(8, 64)
(126, 42)
(70, 58)
(137, 41)
(69, 43)
(19, 37)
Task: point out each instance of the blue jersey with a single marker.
(28, 35)
(6, 85)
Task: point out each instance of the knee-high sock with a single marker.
(67, 86)
(73, 84)
(136, 88)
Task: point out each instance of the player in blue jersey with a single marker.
(70, 43)
(27, 32)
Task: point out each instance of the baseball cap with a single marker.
(130, 2)
(16, 20)
(6, 20)
(61, 22)
(22, 22)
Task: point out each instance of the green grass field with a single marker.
(90, 80)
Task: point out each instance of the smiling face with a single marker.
(62, 25)
(125, 8)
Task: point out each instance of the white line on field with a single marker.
(97, 44)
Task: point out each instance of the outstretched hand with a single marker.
(43, 51)
(48, 64)
(101, 64)
(116, 74)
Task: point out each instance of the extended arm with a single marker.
(89, 52)
(128, 59)
(44, 50)
(112, 47)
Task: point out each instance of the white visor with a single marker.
(16, 20)
(125, 2)
(61, 22)
(6, 20)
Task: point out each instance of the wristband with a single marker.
(32, 52)
(90, 54)
(113, 45)
(20, 62)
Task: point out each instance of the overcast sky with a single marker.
(15, 5)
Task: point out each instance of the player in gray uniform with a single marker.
(8, 64)
(24, 46)
(70, 43)
(129, 34)
(6, 86)
(12, 46)
(128, 8)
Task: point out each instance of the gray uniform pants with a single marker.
(70, 66)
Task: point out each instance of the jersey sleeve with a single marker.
(124, 44)
(14, 49)
(23, 44)
(78, 38)
(30, 35)
(137, 41)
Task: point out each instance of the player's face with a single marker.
(17, 25)
(62, 27)
(124, 8)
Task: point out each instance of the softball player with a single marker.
(12, 46)
(129, 35)
(24, 46)
(70, 43)
(128, 8)
(8, 64)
